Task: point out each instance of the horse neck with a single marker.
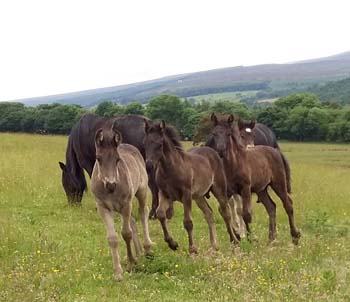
(74, 168)
(235, 153)
(171, 159)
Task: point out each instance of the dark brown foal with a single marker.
(184, 176)
(253, 170)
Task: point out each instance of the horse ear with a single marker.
(252, 124)
(162, 125)
(147, 126)
(117, 137)
(240, 124)
(62, 165)
(99, 137)
(114, 126)
(230, 119)
(214, 119)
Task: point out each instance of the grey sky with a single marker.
(49, 47)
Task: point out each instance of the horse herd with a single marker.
(125, 154)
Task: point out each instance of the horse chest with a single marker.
(172, 187)
(112, 201)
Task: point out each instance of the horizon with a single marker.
(65, 47)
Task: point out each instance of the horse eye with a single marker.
(99, 159)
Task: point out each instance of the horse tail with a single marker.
(288, 172)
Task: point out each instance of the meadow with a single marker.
(50, 251)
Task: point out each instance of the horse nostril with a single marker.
(110, 186)
(149, 165)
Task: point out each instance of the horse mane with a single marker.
(172, 134)
(72, 162)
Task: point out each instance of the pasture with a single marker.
(50, 251)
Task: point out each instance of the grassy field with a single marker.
(50, 251)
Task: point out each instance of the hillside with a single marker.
(268, 81)
(334, 91)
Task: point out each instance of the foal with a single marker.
(253, 170)
(184, 176)
(120, 174)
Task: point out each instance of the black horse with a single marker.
(81, 153)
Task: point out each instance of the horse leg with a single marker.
(208, 214)
(107, 217)
(288, 207)
(135, 236)
(247, 207)
(225, 212)
(141, 196)
(270, 207)
(188, 224)
(164, 203)
(236, 209)
(154, 190)
(127, 231)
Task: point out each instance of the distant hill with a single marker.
(267, 81)
(334, 91)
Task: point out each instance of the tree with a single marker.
(104, 108)
(62, 118)
(234, 108)
(169, 108)
(134, 108)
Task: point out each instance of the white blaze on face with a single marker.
(248, 130)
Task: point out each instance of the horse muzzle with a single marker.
(110, 186)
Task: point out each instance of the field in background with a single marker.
(224, 96)
(50, 251)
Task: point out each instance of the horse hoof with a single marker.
(173, 245)
(296, 238)
(193, 250)
(118, 277)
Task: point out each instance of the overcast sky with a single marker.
(49, 47)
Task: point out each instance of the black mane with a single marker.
(174, 136)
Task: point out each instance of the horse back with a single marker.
(134, 164)
(265, 164)
(264, 136)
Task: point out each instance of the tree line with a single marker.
(300, 117)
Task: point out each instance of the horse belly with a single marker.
(260, 179)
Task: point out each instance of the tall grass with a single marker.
(50, 251)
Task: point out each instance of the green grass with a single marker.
(50, 251)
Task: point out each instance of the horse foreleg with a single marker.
(107, 217)
(164, 203)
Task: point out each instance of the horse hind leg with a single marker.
(208, 215)
(127, 232)
(282, 193)
(187, 222)
(237, 219)
(135, 236)
(141, 196)
(270, 208)
(225, 211)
